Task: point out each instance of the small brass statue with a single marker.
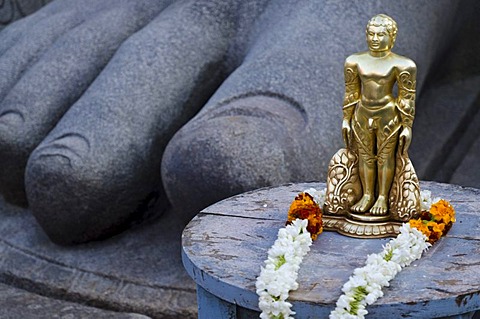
(371, 184)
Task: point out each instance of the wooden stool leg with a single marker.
(210, 306)
(468, 315)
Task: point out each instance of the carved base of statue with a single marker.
(344, 189)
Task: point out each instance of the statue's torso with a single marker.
(377, 76)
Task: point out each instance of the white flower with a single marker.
(365, 286)
(342, 314)
(318, 195)
(373, 296)
(280, 273)
(426, 199)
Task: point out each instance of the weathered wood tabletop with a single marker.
(225, 245)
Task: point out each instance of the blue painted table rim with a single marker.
(246, 226)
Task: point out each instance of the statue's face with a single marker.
(378, 39)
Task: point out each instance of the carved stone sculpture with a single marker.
(11, 10)
(108, 107)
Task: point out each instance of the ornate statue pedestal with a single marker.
(344, 190)
(354, 225)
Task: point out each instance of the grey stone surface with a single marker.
(139, 271)
(295, 60)
(63, 58)
(11, 10)
(17, 303)
(448, 120)
(94, 91)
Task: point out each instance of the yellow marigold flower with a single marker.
(304, 207)
(420, 225)
(437, 228)
(436, 231)
(442, 211)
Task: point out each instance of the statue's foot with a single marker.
(94, 128)
(238, 147)
(98, 170)
(380, 207)
(47, 61)
(363, 204)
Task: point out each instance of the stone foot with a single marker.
(98, 170)
(92, 91)
(233, 149)
(47, 61)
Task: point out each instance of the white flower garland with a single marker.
(365, 286)
(280, 273)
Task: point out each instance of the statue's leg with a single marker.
(386, 170)
(367, 173)
(387, 140)
(91, 178)
(364, 142)
(49, 67)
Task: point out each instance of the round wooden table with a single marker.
(225, 245)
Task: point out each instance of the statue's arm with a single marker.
(351, 98)
(406, 81)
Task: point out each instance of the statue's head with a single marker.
(381, 33)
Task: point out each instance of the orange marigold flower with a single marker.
(436, 222)
(433, 237)
(420, 225)
(442, 211)
(436, 231)
(304, 207)
(437, 228)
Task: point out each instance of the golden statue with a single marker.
(372, 185)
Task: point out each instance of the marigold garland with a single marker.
(305, 207)
(435, 222)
